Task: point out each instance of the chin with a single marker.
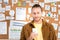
(37, 20)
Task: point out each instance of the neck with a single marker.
(38, 22)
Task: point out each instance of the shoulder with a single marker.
(26, 26)
(49, 25)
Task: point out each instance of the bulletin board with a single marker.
(47, 18)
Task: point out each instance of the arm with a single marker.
(22, 34)
(52, 34)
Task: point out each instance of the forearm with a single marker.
(29, 38)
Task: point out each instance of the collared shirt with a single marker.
(48, 31)
(39, 31)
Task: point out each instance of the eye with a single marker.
(37, 12)
(34, 13)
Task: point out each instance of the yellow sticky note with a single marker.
(19, 3)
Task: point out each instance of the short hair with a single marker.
(36, 5)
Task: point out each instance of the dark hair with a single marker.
(36, 5)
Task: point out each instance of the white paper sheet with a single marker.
(41, 4)
(47, 7)
(9, 18)
(31, 4)
(35, 1)
(55, 25)
(20, 13)
(59, 12)
(23, 3)
(43, 14)
(59, 29)
(15, 29)
(58, 5)
(2, 10)
(58, 35)
(6, 1)
(48, 1)
(28, 1)
(8, 8)
(15, 23)
(14, 2)
(28, 16)
(11, 13)
(53, 9)
(29, 10)
(2, 17)
(56, 18)
(3, 27)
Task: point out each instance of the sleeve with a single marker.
(52, 34)
(22, 37)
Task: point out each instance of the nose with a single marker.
(36, 15)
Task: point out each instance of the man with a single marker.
(45, 31)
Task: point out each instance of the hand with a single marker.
(32, 36)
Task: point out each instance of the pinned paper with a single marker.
(31, 4)
(54, 15)
(6, 1)
(55, 25)
(15, 29)
(58, 34)
(59, 29)
(29, 10)
(41, 4)
(2, 10)
(35, 1)
(53, 3)
(19, 3)
(47, 7)
(14, 2)
(2, 17)
(49, 1)
(20, 13)
(9, 18)
(8, 8)
(51, 15)
(43, 14)
(59, 12)
(23, 3)
(28, 16)
(28, 1)
(3, 28)
(59, 6)
(56, 18)
(11, 13)
(53, 9)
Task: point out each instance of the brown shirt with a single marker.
(48, 31)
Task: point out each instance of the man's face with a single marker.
(36, 13)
